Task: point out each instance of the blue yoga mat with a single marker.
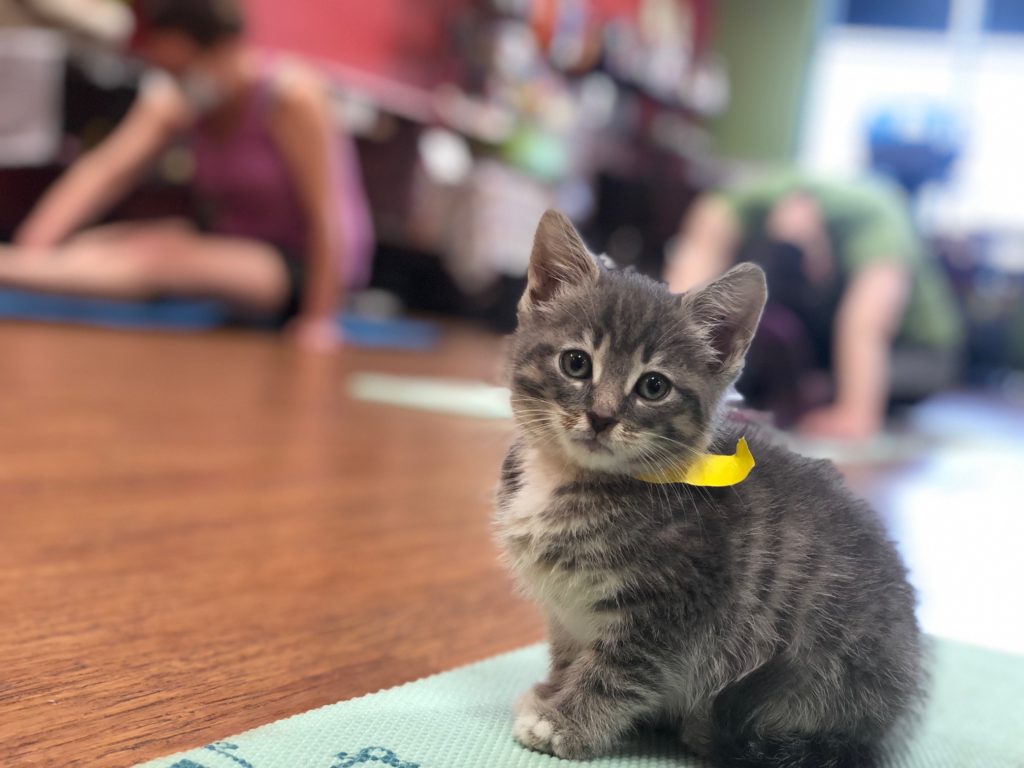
(191, 315)
(159, 314)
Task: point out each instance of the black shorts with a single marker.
(295, 272)
(295, 275)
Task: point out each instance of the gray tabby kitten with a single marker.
(770, 623)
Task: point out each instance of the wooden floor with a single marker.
(199, 535)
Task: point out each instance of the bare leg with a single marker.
(149, 260)
(706, 245)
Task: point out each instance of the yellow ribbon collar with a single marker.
(710, 469)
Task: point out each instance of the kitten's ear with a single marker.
(730, 309)
(559, 259)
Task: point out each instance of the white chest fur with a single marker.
(567, 595)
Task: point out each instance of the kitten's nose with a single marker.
(600, 421)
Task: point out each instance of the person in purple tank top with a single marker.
(285, 226)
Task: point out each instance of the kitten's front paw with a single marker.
(532, 729)
(541, 728)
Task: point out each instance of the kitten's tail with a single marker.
(795, 751)
(740, 713)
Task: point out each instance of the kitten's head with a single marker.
(610, 371)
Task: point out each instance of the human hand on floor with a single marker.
(838, 422)
(316, 334)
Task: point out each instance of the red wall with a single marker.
(405, 40)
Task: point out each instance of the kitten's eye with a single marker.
(575, 364)
(652, 386)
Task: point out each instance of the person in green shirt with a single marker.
(858, 316)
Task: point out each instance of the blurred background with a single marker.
(471, 118)
(899, 122)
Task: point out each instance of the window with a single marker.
(930, 15)
(1005, 16)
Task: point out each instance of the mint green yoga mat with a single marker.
(462, 719)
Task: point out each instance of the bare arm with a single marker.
(868, 319)
(106, 173)
(706, 244)
(306, 134)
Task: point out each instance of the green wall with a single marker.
(767, 47)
